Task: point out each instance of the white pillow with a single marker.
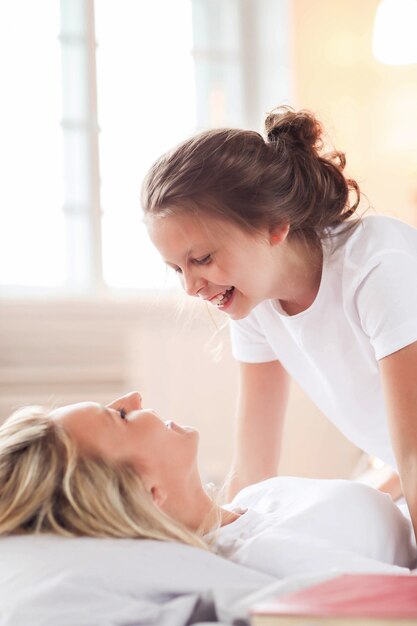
(56, 581)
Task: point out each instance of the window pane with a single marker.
(31, 195)
(146, 104)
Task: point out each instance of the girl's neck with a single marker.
(303, 269)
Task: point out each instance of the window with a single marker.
(32, 235)
(146, 105)
(92, 94)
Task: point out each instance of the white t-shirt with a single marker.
(301, 525)
(365, 309)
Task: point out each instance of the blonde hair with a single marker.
(47, 485)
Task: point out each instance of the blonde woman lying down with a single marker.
(122, 471)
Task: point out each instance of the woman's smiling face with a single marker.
(216, 260)
(157, 449)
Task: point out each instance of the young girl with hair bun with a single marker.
(266, 230)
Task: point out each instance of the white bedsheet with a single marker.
(54, 581)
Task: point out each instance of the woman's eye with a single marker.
(122, 413)
(204, 261)
(178, 270)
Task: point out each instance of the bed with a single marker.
(47, 580)
(53, 581)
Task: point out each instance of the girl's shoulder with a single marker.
(384, 228)
(377, 235)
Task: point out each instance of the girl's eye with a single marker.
(204, 261)
(178, 270)
(122, 413)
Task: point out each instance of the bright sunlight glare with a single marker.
(146, 105)
(32, 243)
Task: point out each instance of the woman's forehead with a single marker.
(88, 423)
(80, 409)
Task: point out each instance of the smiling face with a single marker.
(163, 453)
(218, 261)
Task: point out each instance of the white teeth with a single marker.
(219, 299)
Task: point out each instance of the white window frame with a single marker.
(80, 128)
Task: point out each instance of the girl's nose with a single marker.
(192, 283)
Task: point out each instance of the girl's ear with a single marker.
(278, 234)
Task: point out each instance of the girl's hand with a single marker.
(130, 402)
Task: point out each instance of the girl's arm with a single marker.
(399, 379)
(262, 401)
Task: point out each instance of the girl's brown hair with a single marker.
(257, 183)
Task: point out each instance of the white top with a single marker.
(365, 309)
(298, 526)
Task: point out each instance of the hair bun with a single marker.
(300, 128)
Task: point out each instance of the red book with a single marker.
(348, 600)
